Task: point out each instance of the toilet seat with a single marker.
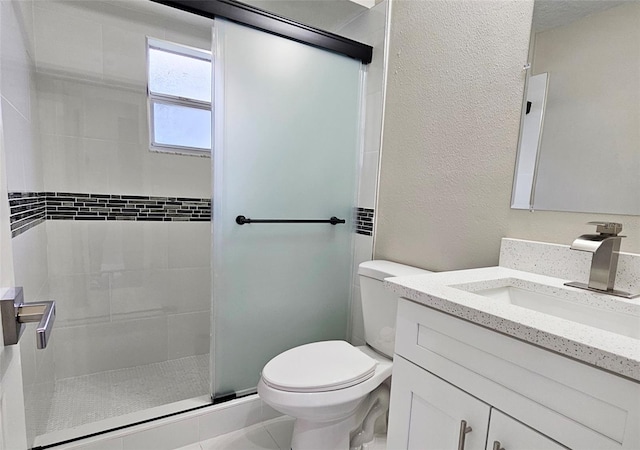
(319, 367)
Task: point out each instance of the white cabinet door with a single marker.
(506, 433)
(427, 413)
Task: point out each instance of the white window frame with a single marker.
(166, 99)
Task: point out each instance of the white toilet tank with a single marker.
(379, 305)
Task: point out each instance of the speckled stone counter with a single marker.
(454, 293)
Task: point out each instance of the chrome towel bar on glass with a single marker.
(241, 220)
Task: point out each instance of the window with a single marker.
(179, 93)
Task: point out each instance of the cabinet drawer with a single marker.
(507, 433)
(573, 403)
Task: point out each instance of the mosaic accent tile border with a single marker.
(73, 206)
(364, 221)
(28, 209)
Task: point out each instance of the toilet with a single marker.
(335, 391)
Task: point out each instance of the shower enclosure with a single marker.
(159, 308)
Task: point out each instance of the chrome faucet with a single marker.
(605, 247)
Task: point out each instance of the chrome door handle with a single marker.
(464, 429)
(15, 313)
(42, 312)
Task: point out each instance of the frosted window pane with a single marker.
(182, 126)
(179, 75)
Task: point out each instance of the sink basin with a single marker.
(616, 322)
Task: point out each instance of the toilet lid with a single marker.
(317, 367)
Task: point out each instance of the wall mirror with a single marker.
(579, 146)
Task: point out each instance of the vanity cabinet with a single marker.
(457, 385)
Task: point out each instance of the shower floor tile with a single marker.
(90, 398)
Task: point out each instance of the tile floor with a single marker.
(90, 398)
(273, 434)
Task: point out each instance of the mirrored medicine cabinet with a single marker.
(579, 146)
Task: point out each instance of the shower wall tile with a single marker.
(362, 252)
(374, 121)
(189, 290)
(122, 49)
(15, 61)
(195, 33)
(152, 292)
(139, 294)
(58, 46)
(189, 245)
(108, 346)
(95, 122)
(189, 334)
(68, 248)
(30, 261)
(18, 142)
(81, 299)
(368, 180)
(76, 164)
(128, 245)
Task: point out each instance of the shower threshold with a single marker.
(95, 403)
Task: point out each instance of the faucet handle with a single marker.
(607, 228)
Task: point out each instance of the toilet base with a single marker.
(337, 435)
(321, 435)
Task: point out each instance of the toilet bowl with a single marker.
(334, 390)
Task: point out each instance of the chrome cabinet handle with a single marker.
(464, 430)
(15, 313)
(497, 446)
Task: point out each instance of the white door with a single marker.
(506, 433)
(13, 434)
(427, 413)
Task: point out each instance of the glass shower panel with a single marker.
(286, 147)
(119, 236)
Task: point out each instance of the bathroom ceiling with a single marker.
(554, 13)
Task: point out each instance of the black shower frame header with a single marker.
(271, 23)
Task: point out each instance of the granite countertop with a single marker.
(453, 293)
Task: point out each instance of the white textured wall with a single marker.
(451, 126)
(450, 136)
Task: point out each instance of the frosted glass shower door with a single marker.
(286, 147)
